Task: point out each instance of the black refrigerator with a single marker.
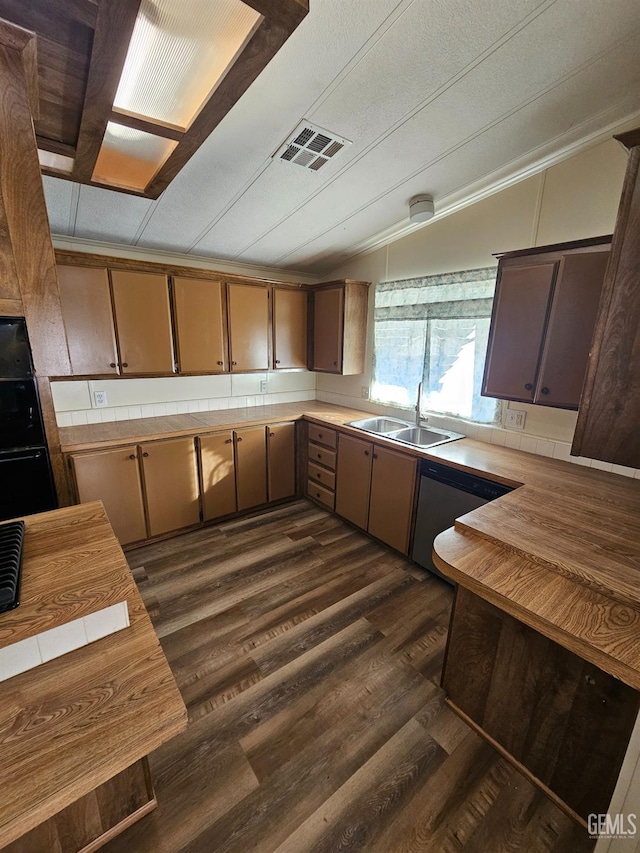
(26, 481)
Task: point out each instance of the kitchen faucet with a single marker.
(418, 404)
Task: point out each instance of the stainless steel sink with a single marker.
(381, 426)
(423, 436)
(403, 431)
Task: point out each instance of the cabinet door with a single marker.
(393, 481)
(171, 484)
(251, 466)
(143, 321)
(113, 477)
(88, 319)
(328, 320)
(289, 328)
(249, 327)
(201, 334)
(353, 480)
(218, 475)
(517, 327)
(281, 459)
(570, 329)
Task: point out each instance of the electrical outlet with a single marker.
(515, 419)
(263, 386)
(364, 392)
(100, 398)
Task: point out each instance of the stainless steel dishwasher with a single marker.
(446, 494)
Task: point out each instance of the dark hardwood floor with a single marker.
(309, 658)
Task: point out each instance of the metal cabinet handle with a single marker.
(335, 363)
(220, 363)
(145, 455)
(271, 434)
(366, 453)
(239, 438)
(319, 476)
(234, 363)
(124, 364)
(132, 456)
(544, 390)
(528, 386)
(228, 441)
(113, 364)
(277, 361)
(375, 455)
(319, 455)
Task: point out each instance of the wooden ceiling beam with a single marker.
(260, 49)
(55, 147)
(114, 26)
(137, 122)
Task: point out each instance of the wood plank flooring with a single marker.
(309, 658)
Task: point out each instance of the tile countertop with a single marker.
(561, 553)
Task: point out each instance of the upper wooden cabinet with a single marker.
(248, 327)
(339, 326)
(85, 298)
(289, 328)
(609, 415)
(143, 322)
(201, 325)
(544, 313)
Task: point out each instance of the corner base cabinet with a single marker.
(561, 720)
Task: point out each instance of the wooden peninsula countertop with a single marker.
(72, 723)
(561, 552)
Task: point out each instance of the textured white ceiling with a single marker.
(437, 96)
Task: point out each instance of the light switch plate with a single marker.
(263, 386)
(100, 398)
(364, 392)
(515, 419)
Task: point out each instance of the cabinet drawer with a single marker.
(321, 494)
(321, 475)
(323, 436)
(322, 455)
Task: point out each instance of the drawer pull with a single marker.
(318, 475)
(319, 455)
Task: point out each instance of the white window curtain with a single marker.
(434, 330)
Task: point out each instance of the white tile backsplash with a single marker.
(19, 657)
(246, 383)
(107, 621)
(70, 396)
(48, 645)
(61, 640)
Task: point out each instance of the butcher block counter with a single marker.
(561, 552)
(74, 730)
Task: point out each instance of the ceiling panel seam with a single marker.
(373, 39)
(461, 145)
(432, 97)
(73, 208)
(384, 237)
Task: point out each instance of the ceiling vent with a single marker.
(311, 147)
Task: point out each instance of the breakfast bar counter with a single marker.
(75, 730)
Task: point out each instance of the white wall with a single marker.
(573, 199)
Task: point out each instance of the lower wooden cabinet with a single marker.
(353, 480)
(393, 485)
(251, 466)
(565, 721)
(375, 490)
(218, 475)
(281, 458)
(113, 477)
(171, 484)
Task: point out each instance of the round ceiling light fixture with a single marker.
(421, 208)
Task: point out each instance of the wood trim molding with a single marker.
(114, 26)
(167, 131)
